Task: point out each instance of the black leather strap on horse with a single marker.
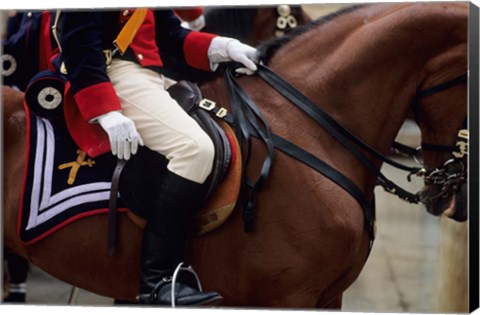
(248, 120)
(247, 127)
(443, 86)
(337, 177)
(409, 151)
(343, 136)
(321, 117)
(404, 149)
(112, 207)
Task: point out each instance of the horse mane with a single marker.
(231, 22)
(268, 48)
(238, 22)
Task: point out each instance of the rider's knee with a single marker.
(205, 150)
(194, 160)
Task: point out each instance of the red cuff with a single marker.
(45, 49)
(96, 100)
(195, 49)
(189, 15)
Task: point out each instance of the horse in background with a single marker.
(253, 25)
(310, 240)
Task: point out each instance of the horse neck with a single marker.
(365, 66)
(364, 69)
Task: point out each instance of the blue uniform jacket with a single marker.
(27, 48)
(85, 34)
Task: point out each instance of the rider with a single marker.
(128, 100)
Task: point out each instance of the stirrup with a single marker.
(183, 267)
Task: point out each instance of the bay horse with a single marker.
(365, 66)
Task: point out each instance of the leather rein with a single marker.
(249, 122)
(453, 173)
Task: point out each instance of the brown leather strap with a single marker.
(112, 207)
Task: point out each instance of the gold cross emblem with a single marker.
(75, 166)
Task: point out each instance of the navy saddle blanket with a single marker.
(61, 183)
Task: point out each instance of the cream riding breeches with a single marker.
(163, 125)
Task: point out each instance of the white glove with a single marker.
(123, 136)
(223, 49)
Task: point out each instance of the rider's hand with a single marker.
(123, 136)
(223, 49)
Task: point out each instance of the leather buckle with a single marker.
(207, 104)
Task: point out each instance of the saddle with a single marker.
(189, 96)
(222, 185)
(69, 167)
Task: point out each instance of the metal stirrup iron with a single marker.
(182, 267)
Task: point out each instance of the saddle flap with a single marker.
(188, 95)
(217, 208)
(223, 183)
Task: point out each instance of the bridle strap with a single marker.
(448, 148)
(404, 149)
(342, 135)
(443, 86)
(249, 127)
(320, 166)
(246, 120)
(324, 119)
(409, 151)
(438, 148)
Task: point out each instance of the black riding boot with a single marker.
(164, 241)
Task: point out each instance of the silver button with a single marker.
(140, 57)
(29, 14)
(126, 12)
